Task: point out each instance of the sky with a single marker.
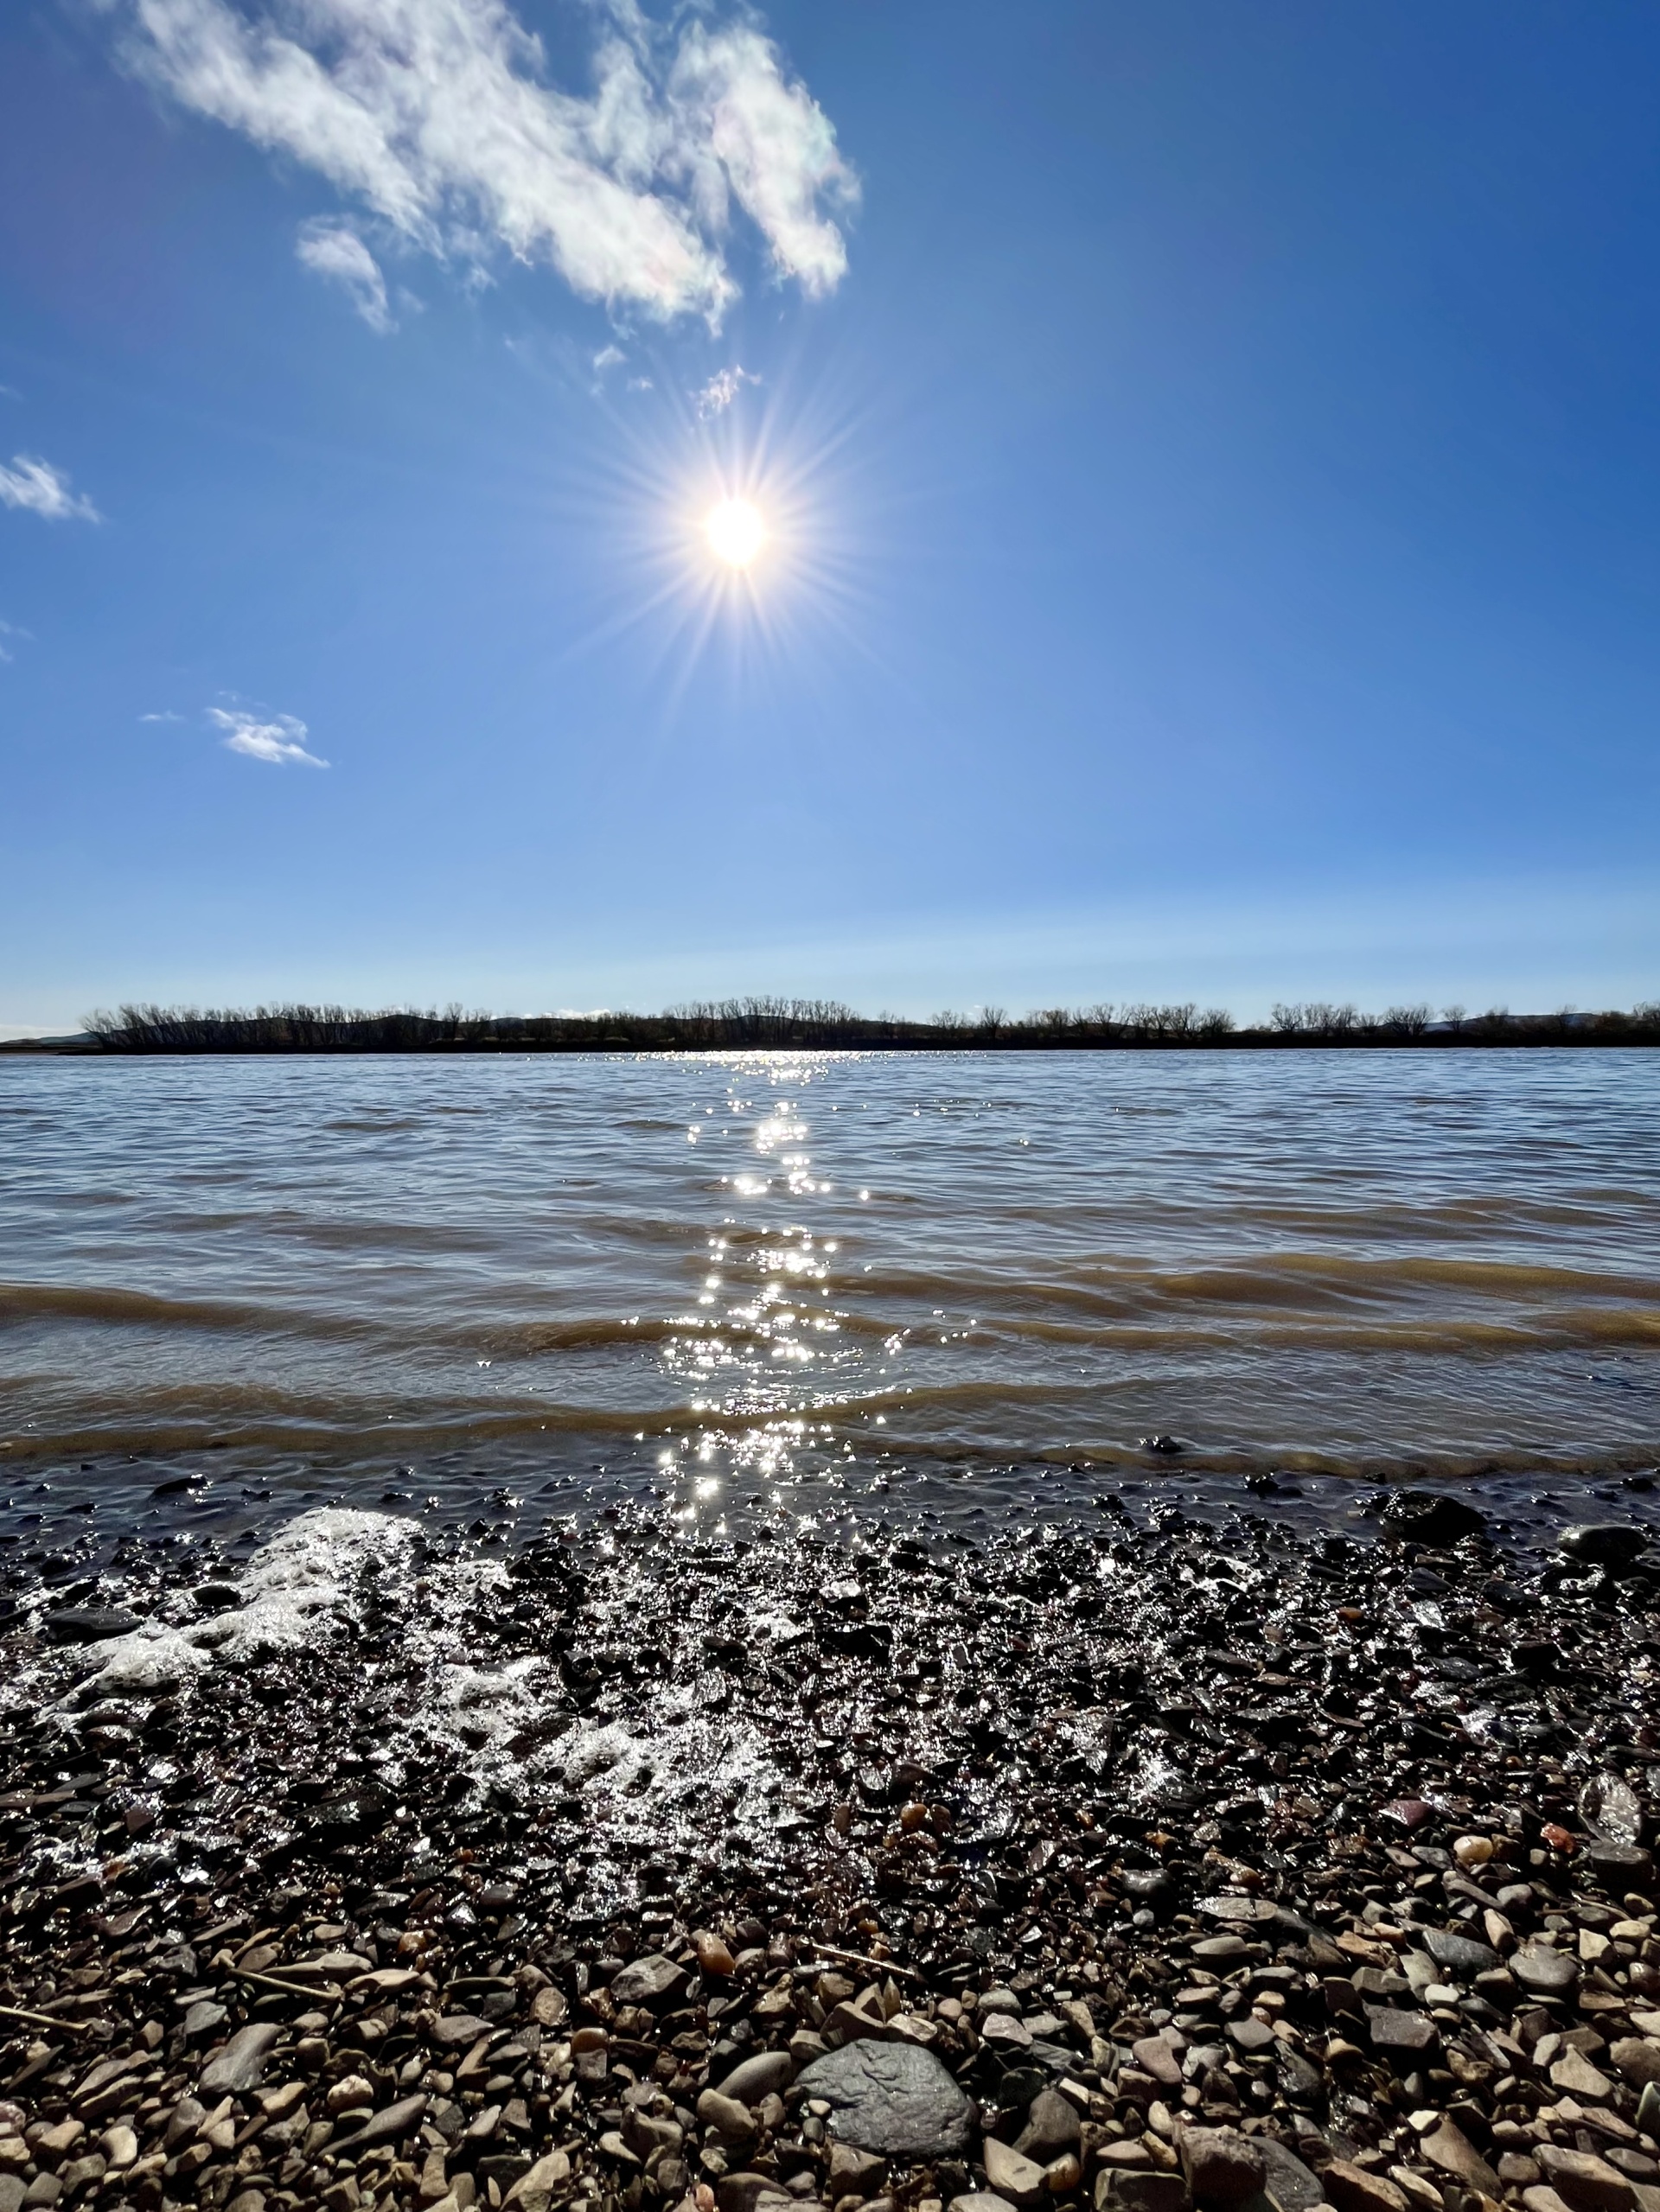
(1205, 458)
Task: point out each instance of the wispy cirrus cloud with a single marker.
(336, 251)
(39, 489)
(718, 395)
(277, 738)
(10, 632)
(438, 117)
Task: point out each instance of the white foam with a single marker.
(304, 1573)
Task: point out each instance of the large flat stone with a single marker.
(895, 2098)
(241, 2064)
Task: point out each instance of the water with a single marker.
(833, 1283)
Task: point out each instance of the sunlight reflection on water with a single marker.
(765, 1266)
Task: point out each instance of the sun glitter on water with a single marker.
(736, 533)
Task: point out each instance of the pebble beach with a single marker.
(1149, 1866)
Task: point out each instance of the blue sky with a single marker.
(1209, 456)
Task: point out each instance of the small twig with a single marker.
(326, 1991)
(858, 1959)
(45, 2019)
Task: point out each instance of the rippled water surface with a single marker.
(850, 1269)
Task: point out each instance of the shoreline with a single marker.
(409, 1865)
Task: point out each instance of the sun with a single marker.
(736, 533)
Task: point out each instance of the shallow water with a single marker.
(972, 1280)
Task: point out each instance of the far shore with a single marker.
(799, 1024)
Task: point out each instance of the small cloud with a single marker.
(8, 630)
(336, 251)
(280, 740)
(166, 715)
(609, 357)
(718, 395)
(39, 489)
(640, 383)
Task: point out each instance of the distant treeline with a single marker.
(741, 1022)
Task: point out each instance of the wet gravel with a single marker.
(1128, 1867)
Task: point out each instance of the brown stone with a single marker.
(1451, 2149)
(1351, 2188)
(1583, 2180)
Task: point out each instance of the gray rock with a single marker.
(90, 1623)
(1291, 2181)
(1603, 1544)
(1460, 1954)
(1302, 2082)
(1547, 1973)
(1409, 2035)
(895, 2098)
(241, 2064)
(13, 2186)
(1055, 2057)
(758, 2077)
(203, 2016)
(388, 2126)
(1628, 1861)
(1638, 2059)
(1053, 2126)
(647, 1981)
(186, 2118)
(1378, 1982)
(1141, 2192)
(1251, 2034)
(981, 2200)
(1431, 1518)
(1223, 2166)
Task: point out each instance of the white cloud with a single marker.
(280, 740)
(335, 250)
(437, 116)
(771, 142)
(718, 395)
(37, 487)
(8, 630)
(609, 357)
(166, 715)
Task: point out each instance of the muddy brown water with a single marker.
(837, 1287)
